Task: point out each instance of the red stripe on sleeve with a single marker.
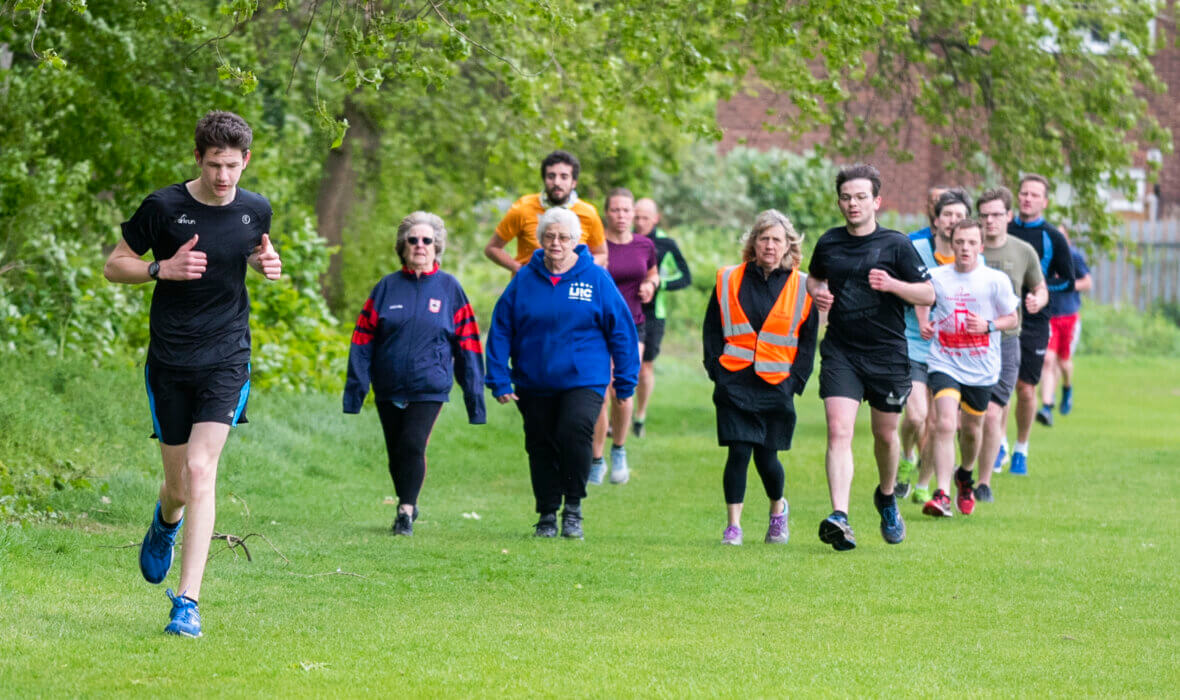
(468, 328)
(361, 337)
(471, 344)
(368, 317)
(463, 314)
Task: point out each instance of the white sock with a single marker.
(1021, 448)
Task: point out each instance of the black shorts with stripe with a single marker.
(179, 398)
(972, 399)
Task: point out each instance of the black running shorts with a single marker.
(653, 335)
(1032, 356)
(972, 399)
(179, 398)
(885, 387)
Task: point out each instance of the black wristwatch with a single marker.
(991, 326)
(154, 270)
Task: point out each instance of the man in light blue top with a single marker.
(913, 425)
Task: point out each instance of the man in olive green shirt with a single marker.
(1018, 260)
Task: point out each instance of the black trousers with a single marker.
(738, 463)
(407, 430)
(559, 439)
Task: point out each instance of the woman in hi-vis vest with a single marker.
(759, 341)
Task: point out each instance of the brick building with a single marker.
(742, 117)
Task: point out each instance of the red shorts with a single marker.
(1063, 335)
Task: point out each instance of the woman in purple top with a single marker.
(632, 265)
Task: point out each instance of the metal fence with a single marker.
(1143, 269)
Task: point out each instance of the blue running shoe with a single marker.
(836, 531)
(155, 554)
(1066, 400)
(1019, 464)
(1001, 457)
(597, 470)
(892, 525)
(186, 620)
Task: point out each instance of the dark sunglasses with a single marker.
(414, 240)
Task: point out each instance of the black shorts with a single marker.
(972, 399)
(179, 398)
(1032, 357)
(653, 335)
(842, 374)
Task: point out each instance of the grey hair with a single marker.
(554, 215)
(422, 217)
(769, 219)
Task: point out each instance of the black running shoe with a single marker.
(546, 525)
(836, 531)
(983, 494)
(403, 524)
(571, 522)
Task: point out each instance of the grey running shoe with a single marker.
(546, 525)
(836, 531)
(902, 490)
(983, 494)
(777, 532)
(732, 535)
(637, 428)
(597, 470)
(571, 522)
(892, 524)
(619, 474)
(403, 524)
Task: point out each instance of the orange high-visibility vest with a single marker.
(772, 350)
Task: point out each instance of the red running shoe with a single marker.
(939, 506)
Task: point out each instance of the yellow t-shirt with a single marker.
(521, 223)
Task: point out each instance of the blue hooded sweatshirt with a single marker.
(560, 332)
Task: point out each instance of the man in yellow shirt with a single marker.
(559, 171)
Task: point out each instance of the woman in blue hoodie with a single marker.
(555, 330)
(415, 334)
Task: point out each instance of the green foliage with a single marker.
(711, 190)
(1121, 332)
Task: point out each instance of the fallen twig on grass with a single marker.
(337, 572)
(232, 541)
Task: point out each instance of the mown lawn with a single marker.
(1067, 585)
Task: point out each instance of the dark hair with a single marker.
(618, 192)
(1033, 177)
(561, 157)
(219, 129)
(859, 171)
(967, 223)
(1000, 192)
(955, 195)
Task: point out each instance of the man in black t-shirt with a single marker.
(202, 234)
(864, 276)
(1053, 251)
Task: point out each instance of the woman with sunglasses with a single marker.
(415, 334)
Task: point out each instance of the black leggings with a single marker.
(407, 430)
(765, 460)
(559, 437)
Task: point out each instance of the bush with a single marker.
(1119, 332)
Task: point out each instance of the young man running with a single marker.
(1053, 253)
(203, 234)
(1064, 327)
(559, 172)
(914, 418)
(951, 207)
(1018, 261)
(674, 275)
(972, 304)
(864, 276)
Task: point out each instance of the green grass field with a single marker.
(1067, 585)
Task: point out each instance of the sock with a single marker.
(1047, 406)
(1021, 448)
(617, 447)
(962, 474)
(881, 500)
(840, 513)
(597, 460)
(911, 457)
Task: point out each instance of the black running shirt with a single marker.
(203, 322)
(862, 320)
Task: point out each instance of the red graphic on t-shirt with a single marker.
(953, 333)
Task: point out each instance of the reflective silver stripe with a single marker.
(789, 341)
(739, 329)
(739, 353)
(772, 367)
(727, 328)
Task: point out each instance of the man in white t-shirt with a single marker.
(973, 303)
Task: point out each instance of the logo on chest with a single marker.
(435, 305)
(185, 220)
(582, 291)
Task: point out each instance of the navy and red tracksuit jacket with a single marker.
(415, 336)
